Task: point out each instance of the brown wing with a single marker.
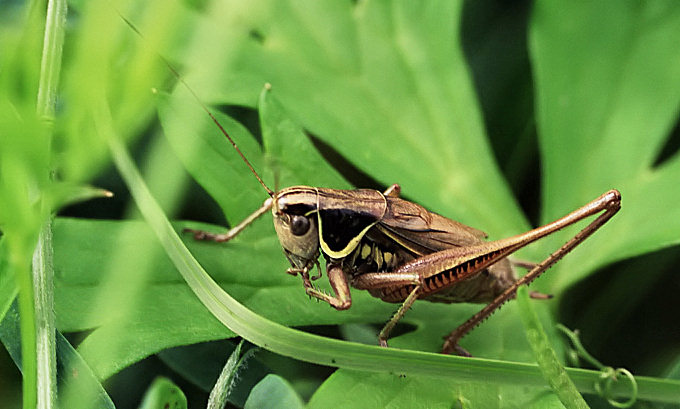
(422, 231)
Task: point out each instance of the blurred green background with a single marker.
(500, 114)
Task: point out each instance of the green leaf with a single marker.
(79, 388)
(64, 194)
(208, 155)
(385, 84)
(347, 388)
(368, 116)
(289, 152)
(273, 392)
(608, 94)
(314, 348)
(162, 394)
(8, 285)
(146, 316)
(165, 305)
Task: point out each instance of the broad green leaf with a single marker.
(169, 307)
(385, 84)
(289, 151)
(273, 392)
(166, 305)
(387, 123)
(107, 57)
(361, 77)
(346, 388)
(283, 340)
(208, 155)
(608, 95)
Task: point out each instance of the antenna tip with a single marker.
(267, 86)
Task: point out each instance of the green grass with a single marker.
(443, 98)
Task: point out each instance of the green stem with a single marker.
(580, 350)
(550, 366)
(43, 284)
(325, 351)
(27, 326)
(45, 343)
(50, 65)
(608, 374)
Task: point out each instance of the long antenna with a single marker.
(202, 105)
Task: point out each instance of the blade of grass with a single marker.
(43, 283)
(43, 293)
(225, 382)
(8, 285)
(84, 389)
(546, 358)
(312, 348)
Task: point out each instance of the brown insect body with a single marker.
(380, 235)
(400, 252)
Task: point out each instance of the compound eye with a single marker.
(299, 225)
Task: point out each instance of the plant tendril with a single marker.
(608, 374)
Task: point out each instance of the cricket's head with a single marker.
(295, 221)
(312, 219)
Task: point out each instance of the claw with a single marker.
(318, 268)
(450, 347)
(198, 234)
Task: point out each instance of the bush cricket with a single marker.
(399, 251)
(396, 249)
